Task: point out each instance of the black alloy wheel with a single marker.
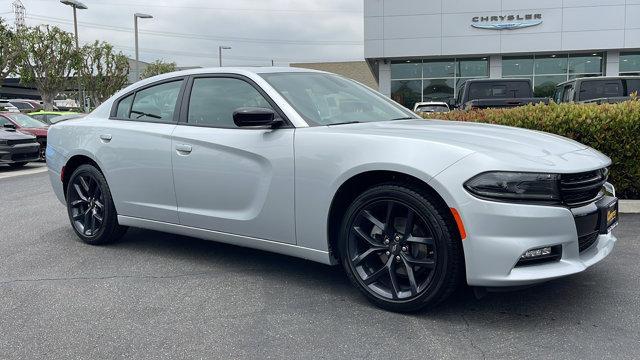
(398, 248)
(90, 207)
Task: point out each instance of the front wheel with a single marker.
(400, 248)
(90, 207)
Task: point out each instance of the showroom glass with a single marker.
(325, 99)
(435, 80)
(26, 121)
(630, 63)
(213, 101)
(156, 103)
(516, 66)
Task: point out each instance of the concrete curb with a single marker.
(629, 206)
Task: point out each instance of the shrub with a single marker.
(613, 129)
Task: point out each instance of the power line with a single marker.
(197, 36)
(293, 11)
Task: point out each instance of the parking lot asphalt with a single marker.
(155, 295)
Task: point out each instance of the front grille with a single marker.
(582, 188)
(586, 241)
(19, 141)
(24, 156)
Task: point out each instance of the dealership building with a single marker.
(421, 50)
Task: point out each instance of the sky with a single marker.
(189, 32)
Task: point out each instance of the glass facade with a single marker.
(546, 71)
(630, 63)
(424, 80)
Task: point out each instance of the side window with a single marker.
(633, 85)
(123, 107)
(156, 103)
(4, 121)
(593, 89)
(213, 100)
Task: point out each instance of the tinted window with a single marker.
(600, 88)
(432, 108)
(123, 107)
(213, 100)
(40, 117)
(633, 85)
(496, 90)
(567, 95)
(156, 103)
(22, 105)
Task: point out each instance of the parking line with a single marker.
(23, 172)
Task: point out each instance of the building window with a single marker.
(630, 63)
(546, 71)
(433, 79)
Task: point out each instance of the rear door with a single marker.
(135, 149)
(233, 180)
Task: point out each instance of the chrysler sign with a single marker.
(506, 22)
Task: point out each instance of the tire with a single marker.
(399, 230)
(17, 165)
(90, 207)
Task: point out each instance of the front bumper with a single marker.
(18, 153)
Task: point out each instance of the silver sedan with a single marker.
(313, 165)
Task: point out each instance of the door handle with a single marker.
(183, 149)
(105, 138)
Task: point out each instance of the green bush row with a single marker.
(613, 129)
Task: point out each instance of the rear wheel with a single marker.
(17, 165)
(90, 207)
(400, 249)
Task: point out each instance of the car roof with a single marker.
(599, 78)
(227, 70)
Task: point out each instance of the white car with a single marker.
(431, 107)
(313, 165)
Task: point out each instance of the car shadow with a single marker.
(31, 165)
(541, 304)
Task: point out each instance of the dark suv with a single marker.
(16, 148)
(597, 89)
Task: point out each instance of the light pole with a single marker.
(135, 30)
(220, 48)
(76, 5)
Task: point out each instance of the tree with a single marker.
(9, 53)
(49, 58)
(158, 67)
(102, 71)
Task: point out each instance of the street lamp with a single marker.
(220, 48)
(135, 29)
(76, 5)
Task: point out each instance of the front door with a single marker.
(233, 180)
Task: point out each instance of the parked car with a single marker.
(317, 166)
(495, 93)
(431, 107)
(24, 106)
(597, 89)
(16, 148)
(46, 116)
(26, 124)
(5, 105)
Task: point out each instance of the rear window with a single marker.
(633, 85)
(499, 90)
(22, 105)
(595, 89)
(432, 108)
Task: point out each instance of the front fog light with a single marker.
(536, 253)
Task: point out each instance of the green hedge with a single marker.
(613, 129)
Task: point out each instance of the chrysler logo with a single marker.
(506, 22)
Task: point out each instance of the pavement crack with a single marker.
(104, 277)
(470, 338)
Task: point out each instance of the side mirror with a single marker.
(255, 116)
(9, 126)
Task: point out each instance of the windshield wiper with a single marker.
(404, 118)
(142, 113)
(343, 123)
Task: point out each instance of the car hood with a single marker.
(35, 131)
(13, 135)
(475, 137)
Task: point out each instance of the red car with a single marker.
(27, 125)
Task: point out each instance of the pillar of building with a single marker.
(495, 66)
(612, 66)
(384, 77)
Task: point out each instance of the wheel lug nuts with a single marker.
(397, 257)
(387, 253)
(386, 241)
(404, 249)
(397, 238)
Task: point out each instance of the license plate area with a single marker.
(608, 208)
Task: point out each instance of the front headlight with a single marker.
(515, 186)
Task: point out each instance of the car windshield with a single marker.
(27, 121)
(326, 99)
(432, 108)
(22, 105)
